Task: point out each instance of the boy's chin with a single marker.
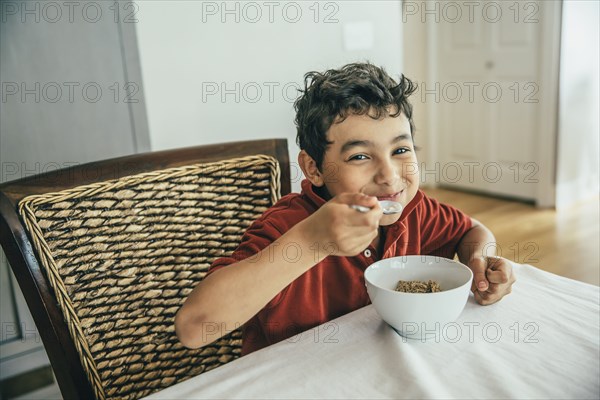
(389, 219)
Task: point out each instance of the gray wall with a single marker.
(64, 97)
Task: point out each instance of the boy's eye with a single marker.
(401, 150)
(358, 157)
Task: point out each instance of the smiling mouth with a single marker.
(390, 197)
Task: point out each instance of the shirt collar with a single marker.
(308, 190)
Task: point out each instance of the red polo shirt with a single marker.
(336, 285)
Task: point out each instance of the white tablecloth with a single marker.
(542, 341)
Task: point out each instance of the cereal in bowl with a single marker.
(418, 287)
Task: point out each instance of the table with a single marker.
(542, 341)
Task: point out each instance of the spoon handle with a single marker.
(389, 207)
(362, 209)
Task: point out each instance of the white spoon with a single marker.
(389, 207)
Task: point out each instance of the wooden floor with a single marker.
(566, 242)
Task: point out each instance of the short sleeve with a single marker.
(442, 228)
(257, 237)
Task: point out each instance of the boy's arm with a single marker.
(493, 276)
(230, 296)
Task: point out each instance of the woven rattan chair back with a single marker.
(121, 256)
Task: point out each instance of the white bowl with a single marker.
(418, 315)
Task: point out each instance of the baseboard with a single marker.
(24, 384)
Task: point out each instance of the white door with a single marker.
(492, 96)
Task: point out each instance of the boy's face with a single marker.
(374, 157)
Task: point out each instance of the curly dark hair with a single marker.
(358, 88)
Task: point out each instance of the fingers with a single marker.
(370, 213)
(487, 297)
(492, 295)
(499, 270)
(500, 277)
(479, 266)
(352, 231)
(484, 298)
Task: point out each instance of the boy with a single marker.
(355, 134)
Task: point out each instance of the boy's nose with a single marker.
(387, 174)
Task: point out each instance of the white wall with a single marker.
(578, 139)
(191, 50)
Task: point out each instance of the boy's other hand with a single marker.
(493, 278)
(339, 227)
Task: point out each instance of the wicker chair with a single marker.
(105, 253)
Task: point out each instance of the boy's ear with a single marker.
(310, 169)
